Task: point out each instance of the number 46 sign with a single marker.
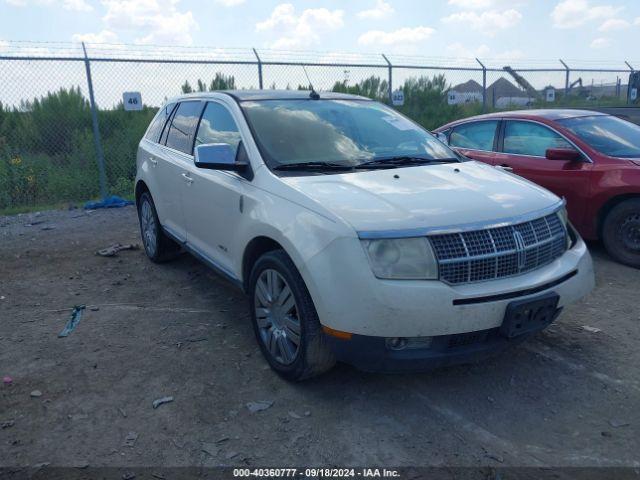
(132, 100)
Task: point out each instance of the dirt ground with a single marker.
(568, 397)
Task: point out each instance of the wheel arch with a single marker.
(141, 187)
(610, 205)
(257, 247)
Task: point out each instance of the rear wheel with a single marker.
(157, 245)
(621, 232)
(285, 320)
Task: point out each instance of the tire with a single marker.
(157, 245)
(621, 232)
(275, 322)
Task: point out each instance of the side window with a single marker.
(474, 136)
(155, 129)
(183, 126)
(527, 138)
(217, 126)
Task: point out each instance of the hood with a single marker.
(424, 196)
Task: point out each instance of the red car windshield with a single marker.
(609, 135)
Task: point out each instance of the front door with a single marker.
(212, 200)
(523, 150)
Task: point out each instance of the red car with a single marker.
(589, 158)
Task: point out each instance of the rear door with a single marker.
(476, 140)
(178, 137)
(523, 145)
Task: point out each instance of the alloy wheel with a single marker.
(149, 228)
(277, 316)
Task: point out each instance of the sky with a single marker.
(489, 29)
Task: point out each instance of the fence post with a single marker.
(484, 86)
(390, 78)
(629, 83)
(566, 79)
(96, 130)
(255, 52)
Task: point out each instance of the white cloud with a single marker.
(381, 9)
(77, 5)
(574, 13)
(487, 22)
(613, 24)
(471, 4)
(74, 5)
(159, 21)
(230, 3)
(4, 45)
(105, 36)
(458, 50)
(300, 30)
(402, 36)
(636, 21)
(601, 42)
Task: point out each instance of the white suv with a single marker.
(357, 235)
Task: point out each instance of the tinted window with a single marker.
(217, 126)
(474, 136)
(153, 133)
(527, 138)
(609, 135)
(183, 126)
(347, 132)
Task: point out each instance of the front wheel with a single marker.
(285, 320)
(621, 232)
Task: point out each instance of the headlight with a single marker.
(402, 258)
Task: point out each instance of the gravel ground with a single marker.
(568, 397)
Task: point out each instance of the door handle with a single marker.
(506, 168)
(153, 161)
(187, 178)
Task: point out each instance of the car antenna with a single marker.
(313, 95)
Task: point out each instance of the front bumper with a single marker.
(372, 353)
(349, 298)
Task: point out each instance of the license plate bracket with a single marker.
(530, 315)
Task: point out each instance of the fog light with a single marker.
(396, 343)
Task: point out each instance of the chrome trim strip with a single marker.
(228, 274)
(424, 231)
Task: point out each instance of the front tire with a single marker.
(621, 232)
(157, 245)
(285, 320)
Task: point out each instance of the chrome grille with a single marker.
(499, 252)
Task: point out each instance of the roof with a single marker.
(551, 113)
(504, 88)
(242, 95)
(546, 114)
(467, 87)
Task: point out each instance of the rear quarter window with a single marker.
(157, 124)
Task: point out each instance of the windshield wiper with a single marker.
(313, 166)
(392, 162)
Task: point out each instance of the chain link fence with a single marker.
(65, 135)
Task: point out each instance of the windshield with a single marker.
(343, 132)
(607, 134)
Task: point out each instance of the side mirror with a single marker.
(218, 156)
(442, 137)
(564, 154)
